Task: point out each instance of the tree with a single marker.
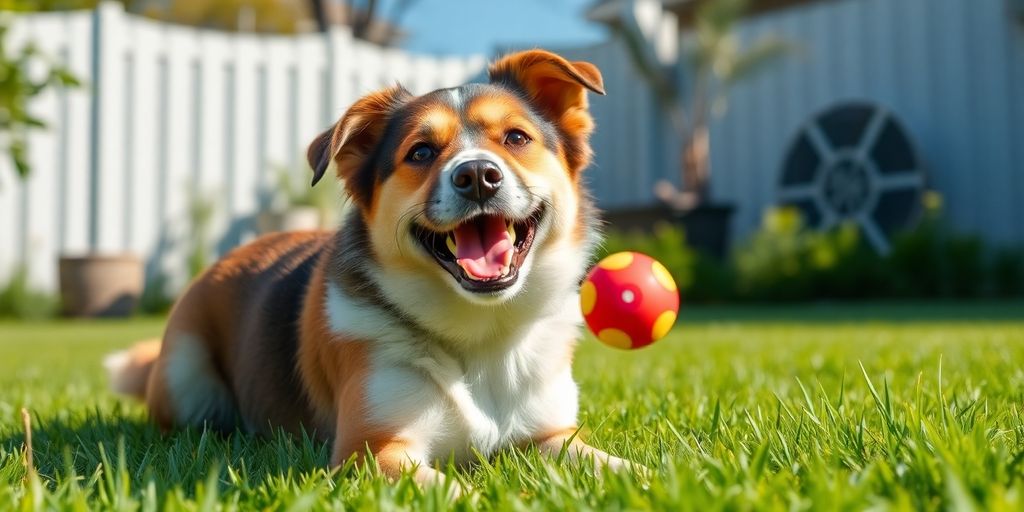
(715, 62)
(18, 85)
(267, 16)
(364, 17)
(316, 7)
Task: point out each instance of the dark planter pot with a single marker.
(708, 228)
(101, 285)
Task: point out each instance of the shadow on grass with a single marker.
(90, 445)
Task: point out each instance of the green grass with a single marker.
(887, 406)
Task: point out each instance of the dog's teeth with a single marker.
(451, 245)
(512, 231)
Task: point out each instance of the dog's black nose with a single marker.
(477, 180)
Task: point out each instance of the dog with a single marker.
(440, 320)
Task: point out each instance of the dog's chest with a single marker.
(444, 403)
(500, 403)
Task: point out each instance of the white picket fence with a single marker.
(168, 109)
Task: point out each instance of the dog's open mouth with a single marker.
(484, 254)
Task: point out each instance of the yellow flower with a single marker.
(932, 201)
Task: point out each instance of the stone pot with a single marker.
(97, 285)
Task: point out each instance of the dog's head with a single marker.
(477, 186)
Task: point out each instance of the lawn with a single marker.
(889, 406)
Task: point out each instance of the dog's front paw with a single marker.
(618, 464)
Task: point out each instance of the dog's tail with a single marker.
(129, 369)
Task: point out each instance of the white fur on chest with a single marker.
(444, 410)
(483, 400)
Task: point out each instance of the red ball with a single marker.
(629, 300)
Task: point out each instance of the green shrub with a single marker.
(666, 243)
(18, 86)
(785, 260)
(155, 300)
(933, 260)
(19, 300)
(857, 271)
(201, 209)
(713, 281)
(700, 278)
(775, 260)
(1007, 273)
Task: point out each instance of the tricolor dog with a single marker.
(441, 319)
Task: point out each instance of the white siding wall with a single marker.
(168, 108)
(634, 145)
(951, 70)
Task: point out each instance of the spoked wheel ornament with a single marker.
(854, 163)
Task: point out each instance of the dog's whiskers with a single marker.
(415, 211)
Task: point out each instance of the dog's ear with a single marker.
(558, 89)
(351, 140)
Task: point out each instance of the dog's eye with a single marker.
(516, 138)
(421, 153)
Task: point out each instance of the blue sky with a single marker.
(478, 26)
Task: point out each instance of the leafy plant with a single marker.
(666, 243)
(294, 191)
(19, 83)
(933, 260)
(1008, 272)
(699, 277)
(49, 5)
(201, 209)
(714, 281)
(783, 259)
(19, 300)
(155, 299)
(786, 261)
(266, 16)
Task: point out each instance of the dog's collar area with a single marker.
(443, 246)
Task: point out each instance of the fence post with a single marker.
(339, 74)
(106, 216)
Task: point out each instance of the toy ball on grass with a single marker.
(629, 300)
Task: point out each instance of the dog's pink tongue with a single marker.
(484, 247)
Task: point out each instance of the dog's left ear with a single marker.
(558, 88)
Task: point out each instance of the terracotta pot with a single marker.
(101, 285)
(302, 218)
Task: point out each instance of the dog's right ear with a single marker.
(351, 140)
(558, 89)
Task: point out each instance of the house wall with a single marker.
(951, 70)
(634, 143)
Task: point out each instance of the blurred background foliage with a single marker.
(46, 5)
(25, 73)
(19, 300)
(366, 18)
(273, 16)
(267, 16)
(786, 261)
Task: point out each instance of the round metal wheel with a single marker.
(854, 162)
